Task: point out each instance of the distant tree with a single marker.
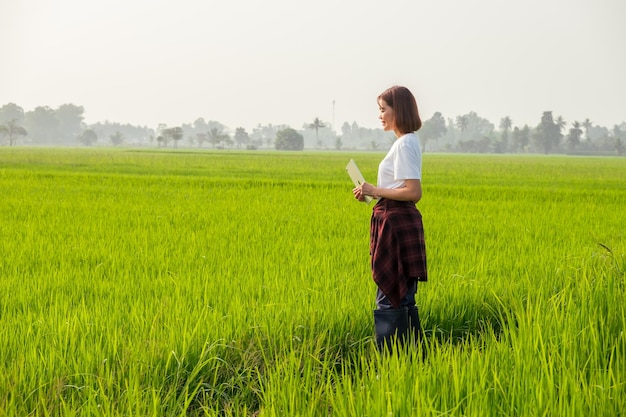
(228, 141)
(289, 139)
(462, 122)
(265, 134)
(173, 133)
(505, 126)
(349, 135)
(525, 137)
(70, 118)
(573, 138)
(316, 125)
(177, 134)
(502, 145)
(475, 145)
(42, 125)
(12, 131)
(216, 136)
(618, 140)
(117, 138)
(515, 139)
(346, 129)
(506, 123)
(3, 130)
(199, 125)
(163, 138)
(548, 133)
(11, 111)
(432, 129)
(560, 122)
(521, 138)
(241, 137)
(132, 134)
(170, 134)
(619, 146)
(373, 145)
(201, 138)
(338, 143)
(587, 124)
(88, 137)
(256, 137)
(478, 130)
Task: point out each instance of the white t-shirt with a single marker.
(403, 162)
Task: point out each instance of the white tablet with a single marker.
(357, 177)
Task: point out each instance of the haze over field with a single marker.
(245, 63)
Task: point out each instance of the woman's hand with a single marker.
(358, 193)
(363, 190)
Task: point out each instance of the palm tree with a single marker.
(587, 124)
(216, 136)
(506, 123)
(573, 138)
(317, 124)
(560, 122)
(462, 122)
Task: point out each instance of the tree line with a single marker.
(472, 133)
(465, 133)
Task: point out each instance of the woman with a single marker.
(397, 249)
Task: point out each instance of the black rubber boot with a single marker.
(391, 326)
(414, 324)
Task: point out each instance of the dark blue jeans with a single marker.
(382, 302)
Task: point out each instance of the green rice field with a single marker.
(146, 282)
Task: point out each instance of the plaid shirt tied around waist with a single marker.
(397, 248)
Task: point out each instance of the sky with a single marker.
(286, 62)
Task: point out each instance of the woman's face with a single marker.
(386, 116)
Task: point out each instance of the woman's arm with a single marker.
(412, 191)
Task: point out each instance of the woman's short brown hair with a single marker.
(402, 101)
